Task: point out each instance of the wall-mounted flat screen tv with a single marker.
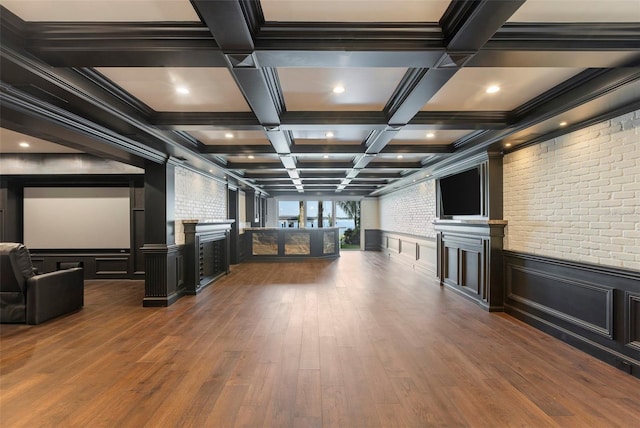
(460, 193)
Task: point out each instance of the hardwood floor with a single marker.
(353, 342)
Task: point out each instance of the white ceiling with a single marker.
(210, 89)
(102, 10)
(10, 143)
(366, 89)
(407, 136)
(354, 10)
(466, 90)
(213, 137)
(578, 11)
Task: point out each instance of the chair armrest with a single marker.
(52, 294)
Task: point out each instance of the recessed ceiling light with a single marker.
(250, 156)
(430, 135)
(182, 90)
(24, 144)
(508, 145)
(228, 135)
(493, 89)
(563, 123)
(326, 156)
(338, 89)
(329, 134)
(210, 170)
(399, 156)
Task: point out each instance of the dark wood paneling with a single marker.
(584, 304)
(96, 265)
(470, 259)
(112, 265)
(592, 307)
(471, 271)
(372, 240)
(162, 274)
(138, 241)
(632, 319)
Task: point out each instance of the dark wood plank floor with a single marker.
(354, 342)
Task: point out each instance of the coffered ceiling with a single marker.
(333, 98)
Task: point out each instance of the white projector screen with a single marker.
(76, 218)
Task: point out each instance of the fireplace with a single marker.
(206, 252)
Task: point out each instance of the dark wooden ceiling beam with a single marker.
(233, 31)
(197, 121)
(326, 149)
(237, 149)
(417, 148)
(190, 44)
(468, 25)
(336, 121)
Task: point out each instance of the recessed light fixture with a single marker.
(563, 123)
(430, 135)
(228, 135)
(493, 89)
(338, 89)
(399, 156)
(210, 170)
(329, 134)
(326, 156)
(182, 90)
(250, 156)
(508, 145)
(24, 144)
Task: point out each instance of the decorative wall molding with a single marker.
(592, 307)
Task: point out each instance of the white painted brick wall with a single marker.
(197, 197)
(411, 210)
(577, 197)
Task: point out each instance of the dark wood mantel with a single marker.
(207, 252)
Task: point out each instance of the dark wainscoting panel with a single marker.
(372, 240)
(592, 307)
(96, 264)
(418, 252)
(632, 320)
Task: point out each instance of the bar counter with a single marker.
(288, 243)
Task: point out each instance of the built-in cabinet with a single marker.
(207, 253)
(469, 258)
(469, 247)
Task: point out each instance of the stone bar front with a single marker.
(285, 244)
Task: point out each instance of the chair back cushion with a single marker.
(15, 266)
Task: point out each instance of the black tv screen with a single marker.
(460, 193)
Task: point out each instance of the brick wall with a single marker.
(577, 197)
(410, 210)
(197, 197)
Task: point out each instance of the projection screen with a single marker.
(76, 218)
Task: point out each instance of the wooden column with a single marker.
(162, 258)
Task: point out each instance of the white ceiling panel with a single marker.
(578, 11)
(209, 89)
(354, 10)
(466, 90)
(230, 137)
(102, 10)
(437, 137)
(10, 143)
(342, 135)
(365, 89)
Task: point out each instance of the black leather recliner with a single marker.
(27, 297)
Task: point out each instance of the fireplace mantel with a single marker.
(206, 252)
